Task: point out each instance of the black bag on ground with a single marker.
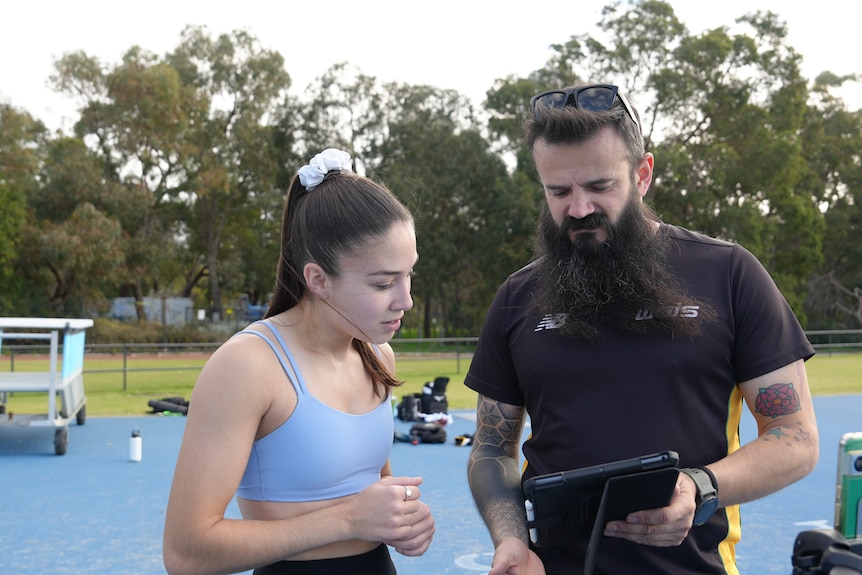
(434, 396)
(172, 404)
(428, 433)
(409, 407)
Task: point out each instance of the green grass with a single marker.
(837, 374)
(109, 394)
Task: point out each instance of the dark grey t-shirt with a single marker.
(630, 395)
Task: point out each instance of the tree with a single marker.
(195, 131)
(75, 245)
(21, 140)
(246, 87)
(133, 117)
(76, 258)
(465, 208)
(832, 139)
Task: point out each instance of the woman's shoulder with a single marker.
(245, 355)
(253, 339)
(386, 354)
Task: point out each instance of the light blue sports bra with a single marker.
(319, 452)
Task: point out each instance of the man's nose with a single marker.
(580, 206)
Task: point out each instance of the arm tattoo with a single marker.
(776, 400)
(789, 434)
(493, 473)
(499, 426)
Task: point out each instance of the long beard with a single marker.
(604, 285)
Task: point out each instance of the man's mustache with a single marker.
(590, 222)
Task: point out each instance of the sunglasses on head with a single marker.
(593, 98)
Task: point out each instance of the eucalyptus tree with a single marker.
(12, 206)
(76, 241)
(21, 148)
(470, 222)
(832, 141)
(64, 222)
(194, 129)
(133, 116)
(835, 298)
(233, 167)
(78, 258)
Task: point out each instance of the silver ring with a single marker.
(407, 493)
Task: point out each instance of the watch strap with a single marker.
(706, 496)
(709, 472)
(701, 475)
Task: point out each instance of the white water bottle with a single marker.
(135, 446)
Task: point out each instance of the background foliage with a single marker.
(172, 183)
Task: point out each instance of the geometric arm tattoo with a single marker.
(493, 471)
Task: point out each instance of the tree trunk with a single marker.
(426, 319)
(852, 294)
(215, 288)
(139, 300)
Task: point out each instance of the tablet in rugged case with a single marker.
(564, 505)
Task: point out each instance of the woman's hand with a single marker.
(390, 511)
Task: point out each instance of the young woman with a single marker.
(293, 414)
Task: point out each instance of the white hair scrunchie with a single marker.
(326, 161)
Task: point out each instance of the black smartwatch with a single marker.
(707, 493)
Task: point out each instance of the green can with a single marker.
(848, 489)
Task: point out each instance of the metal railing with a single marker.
(835, 340)
(406, 349)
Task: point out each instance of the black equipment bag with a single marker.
(434, 396)
(409, 407)
(428, 433)
(172, 404)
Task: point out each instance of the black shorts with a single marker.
(375, 562)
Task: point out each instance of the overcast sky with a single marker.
(457, 44)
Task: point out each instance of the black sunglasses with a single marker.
(593, 98)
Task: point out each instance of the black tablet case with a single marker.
(573, 511)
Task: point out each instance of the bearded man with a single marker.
(628, 336)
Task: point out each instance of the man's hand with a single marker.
(664, 527)
(513, 557)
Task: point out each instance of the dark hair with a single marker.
(570, 125)
(337, 218)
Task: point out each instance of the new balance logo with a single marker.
(675, 311)
(551, 321)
